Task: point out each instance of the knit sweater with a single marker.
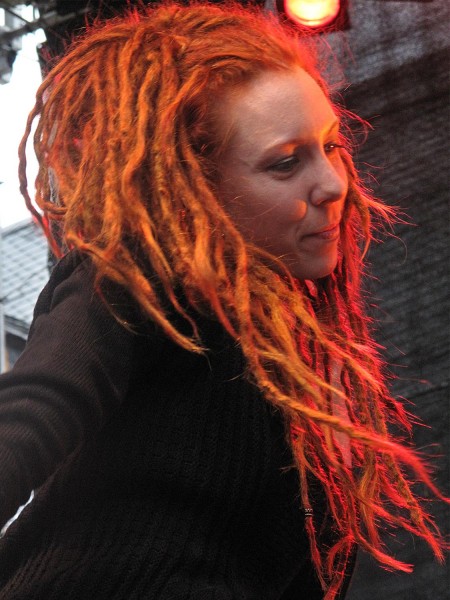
(158, 473)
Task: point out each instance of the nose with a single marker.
(329, 182)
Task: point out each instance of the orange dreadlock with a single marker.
(125, 133)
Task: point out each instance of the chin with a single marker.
(314, 270)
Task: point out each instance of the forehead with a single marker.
(272, 108)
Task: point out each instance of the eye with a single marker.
(332, 146)
(285, 166)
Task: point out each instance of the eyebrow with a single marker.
(334, 124)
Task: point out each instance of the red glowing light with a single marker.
(312, 13)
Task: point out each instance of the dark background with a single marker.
(396, 62)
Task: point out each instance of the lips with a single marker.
(329, 232)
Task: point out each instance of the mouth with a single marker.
(328, 233)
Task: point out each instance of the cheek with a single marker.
(240, 199)
(299, 210)
(343, 174)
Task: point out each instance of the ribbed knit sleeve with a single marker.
(72, 374)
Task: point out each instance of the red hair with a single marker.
(125, 133)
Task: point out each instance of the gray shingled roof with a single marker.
(24, 273)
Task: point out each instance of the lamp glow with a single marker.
(312, 13)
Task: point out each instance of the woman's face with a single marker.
(281, 176)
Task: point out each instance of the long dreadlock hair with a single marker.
(125, 135)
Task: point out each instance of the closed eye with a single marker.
(286, 165)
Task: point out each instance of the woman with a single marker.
(200, 407)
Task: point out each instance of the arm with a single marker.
(73, 373)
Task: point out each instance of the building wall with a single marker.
(24, 272)
(396, 66)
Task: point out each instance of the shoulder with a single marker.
(74, 273)
(72, 293)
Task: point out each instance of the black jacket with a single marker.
(158, 472)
